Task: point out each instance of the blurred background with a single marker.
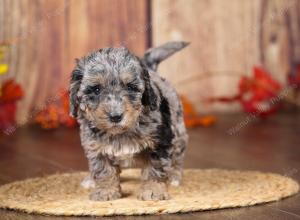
(239, 81)
(229, 40)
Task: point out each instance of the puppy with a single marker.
(128, 113)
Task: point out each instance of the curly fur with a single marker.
(151, 130)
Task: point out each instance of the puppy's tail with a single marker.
(154, 56)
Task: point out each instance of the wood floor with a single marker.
(271, 145)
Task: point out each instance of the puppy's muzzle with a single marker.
(115, 117)
(115, 108)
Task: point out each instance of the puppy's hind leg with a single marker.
(175, 173)
(88, 182)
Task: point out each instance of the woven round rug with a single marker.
(61, 194)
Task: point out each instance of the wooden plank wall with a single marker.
(46, 36)
(227, 39)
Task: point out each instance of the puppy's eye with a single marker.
(132, 87)
(94, 89)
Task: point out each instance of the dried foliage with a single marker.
(10, 93)
(56, 114)
(257, 95)
(192, 118)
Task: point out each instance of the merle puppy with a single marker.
(128, 114)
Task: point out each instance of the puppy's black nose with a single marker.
(115, 117)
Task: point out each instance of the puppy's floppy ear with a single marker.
(149, 97)
(76, 78)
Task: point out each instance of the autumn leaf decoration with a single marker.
(3, 66)
(11, 92)
(257, 94)
(192, 118)
(56, 113)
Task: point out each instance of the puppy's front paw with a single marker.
(154, 191)
(105, 194)
(88, 182)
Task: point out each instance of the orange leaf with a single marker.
(11, 91)
(48, 118)
(192, 118)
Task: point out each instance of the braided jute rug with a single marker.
(61, 194)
